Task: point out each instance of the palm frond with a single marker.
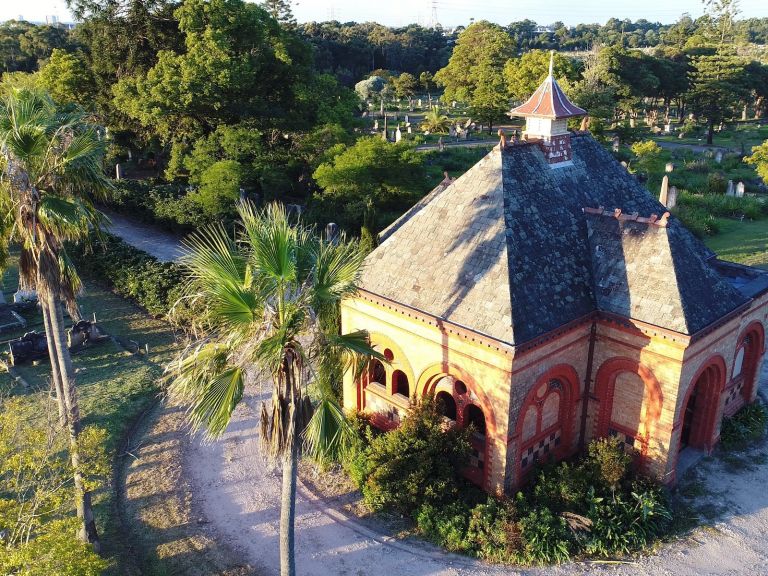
(327, 433)
(66, 219)
(354, 350)
(209, 384)
(272, 242)
(337, 271)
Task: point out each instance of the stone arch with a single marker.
(697, 413)
(399, 360)
(649, 412)
(431, 376)
(752, 342)
(469, 393)
(536, 430)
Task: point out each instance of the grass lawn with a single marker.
(743, 242)
(115, 386)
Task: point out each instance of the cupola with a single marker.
(546, 115)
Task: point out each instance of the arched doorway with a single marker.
(699, 410)
(473, 416)
(446, 404)
(630, 403)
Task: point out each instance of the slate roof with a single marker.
(549, 101)
(508, 250)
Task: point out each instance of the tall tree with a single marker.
(718, 85)
(524, 74)
(51, 170)
(475, 72)
(281, 11)
(265, 296)
(67, 79)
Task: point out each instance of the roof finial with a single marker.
(551, 61)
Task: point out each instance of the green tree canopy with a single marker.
(718, 85)
(67, 79)
(371, 178)
(475, 72)
(524, 74)
(237, 64)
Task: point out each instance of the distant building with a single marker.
(547, 298)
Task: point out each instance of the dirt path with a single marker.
(240, 499)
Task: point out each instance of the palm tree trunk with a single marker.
(55, 375)
(60, 356)
(288, 511)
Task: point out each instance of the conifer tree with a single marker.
(281, 11)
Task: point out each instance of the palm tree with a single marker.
(435, 122)
(266, 297)
(51, 167)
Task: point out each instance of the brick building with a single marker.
(548, 298)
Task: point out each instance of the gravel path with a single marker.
(241, 498)
(164, 246)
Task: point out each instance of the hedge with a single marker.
(131, 272)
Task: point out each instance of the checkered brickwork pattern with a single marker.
(540, 449)
(733, 393)
(629, 443)
(477, 456)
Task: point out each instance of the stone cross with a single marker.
(729, 191)
(672, 198)
(664, 194)
(740, 190)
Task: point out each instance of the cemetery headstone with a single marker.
(730, 191)
(672, 198)
(740, 190)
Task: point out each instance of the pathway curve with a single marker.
(163, 245)
(241, 498)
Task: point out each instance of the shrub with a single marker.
(746, 426)
(153, 285)
(219, 189)
(610, 461)
(716, 184)
(546, 537)
(417, 463)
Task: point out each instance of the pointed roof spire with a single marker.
(549, 100)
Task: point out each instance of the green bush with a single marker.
(417, 463)
(596, 505)
(716, 184)
(746, 426)
(133, 273)
(219, 189)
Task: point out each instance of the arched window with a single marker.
(542, 424)
(446, 404)
(738, 364)
(473, 416)
(377, 373)
(400, 383)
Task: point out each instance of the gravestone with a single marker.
(664, 194)
(719, 156)
(740, 190)
(452, 132)
(398, 135)
(118, 172)
(440, 144)
(410, 130)
(669, 167)
(332, 232)
(667, 128)
(730, 191)
(672, 198)
(406, 120)
(419, 102)
(616, 143)
(376, 125)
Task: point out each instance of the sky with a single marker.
(449, 12)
